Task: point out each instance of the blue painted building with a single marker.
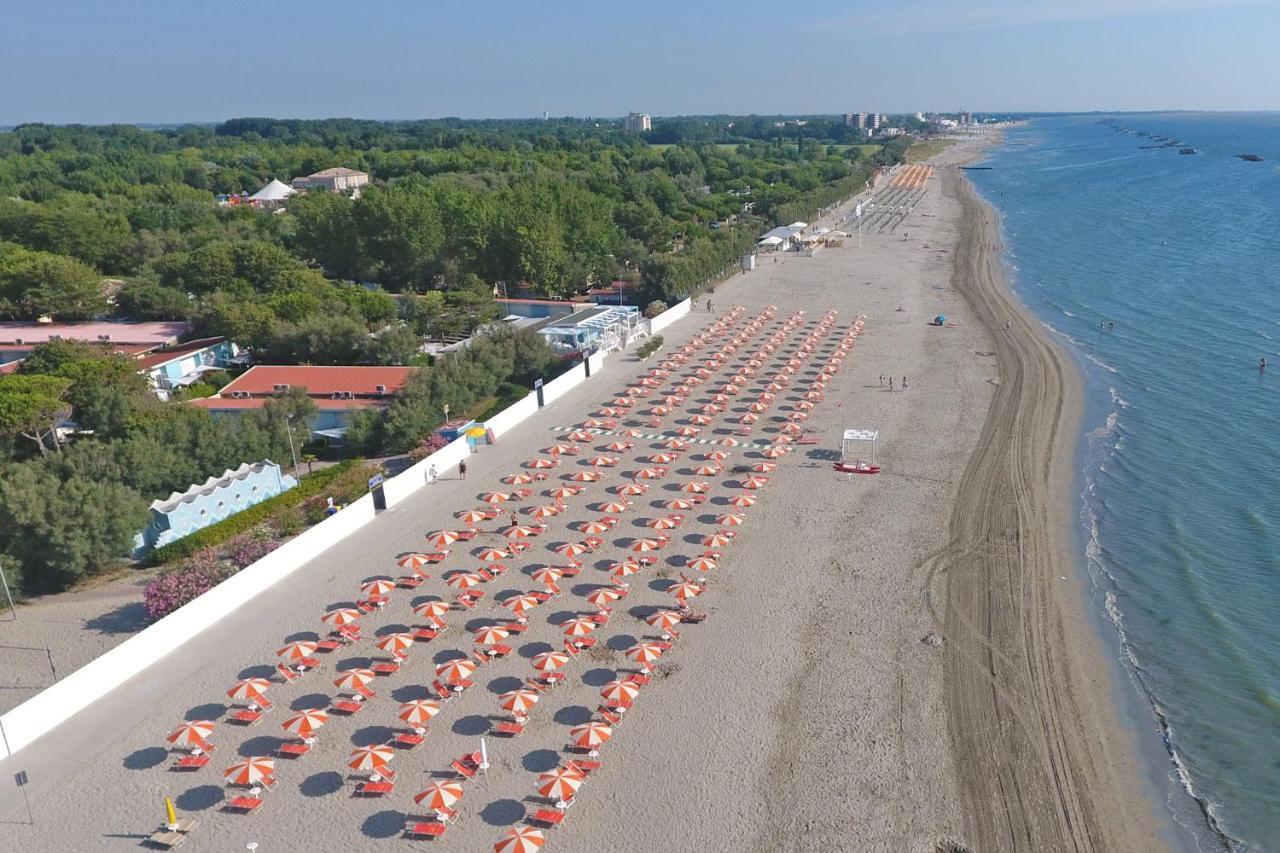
(182, 365)
(218, 498)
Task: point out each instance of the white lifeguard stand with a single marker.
(854, 439)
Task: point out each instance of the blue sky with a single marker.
(133, 61)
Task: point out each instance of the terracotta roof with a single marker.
(164, 356)
(320, 381)
(115, 333)
(324, 404)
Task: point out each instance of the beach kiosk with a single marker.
(852, 444)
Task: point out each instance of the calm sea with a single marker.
(1180, 479)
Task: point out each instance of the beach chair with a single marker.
(287, 672)
(498, 651)
(293, 749)
(408, 740)
(548, 817)
(516, 627)
(585, 642)
(442, 693)
(463, 770)
(508, 728)
(386, 667)
(409, 582)
(638, 678)
(166, 839)
(190, 762)
(693, 618)
(424, 829)
(585, 766)
(375, 789)
(609, 716)
(246, 717)
(425, 635)
(243, 805)
(328, 645)
(350, 707)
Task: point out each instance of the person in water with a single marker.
(1262, 363)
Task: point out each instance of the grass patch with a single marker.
(926, 148)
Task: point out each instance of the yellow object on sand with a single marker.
(169, 812)
(476, 432)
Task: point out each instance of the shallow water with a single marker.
(1180, 510)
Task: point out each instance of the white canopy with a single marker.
(770, 241)
(274, 191)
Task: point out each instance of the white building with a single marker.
(336, 180)
(638, 122)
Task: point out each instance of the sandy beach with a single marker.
(888, 662)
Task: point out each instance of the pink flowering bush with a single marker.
(244, 550)
(169, 591)
(429, 445)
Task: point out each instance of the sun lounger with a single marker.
(584, 765)
(293, 749)
(408, 740)
(515, 627)
(466, 601)
(425, 635)
(424, 829)
(571, 571)
(245, 717)
(548, 817)
(438, 556)
(347, 706)
(328, 646)
(166, 839)
(542, 596)
(244, 805)
(190, 762)
(288, 673)
(466, 535)
(374, 789)
(386, 667)
(601, 618)
(637, 678)
(609, 716)
(693, 618)
(508, 728)
(441, 691)
(585, 642)
(498, 651)
(463, 770)
(409, 582)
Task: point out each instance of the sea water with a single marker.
(1160, 271)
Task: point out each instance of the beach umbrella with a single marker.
(612, 411)
(679, 503)
(718, 455)
(549, 661)
(464, 580)
(748, 419)
(645, 653)
(731, 519)
(707, 470)
(621, 402)
(702, 563)
(664, 619)
(603, 597)
(688, 431)
(578, 627)
(419, 712)
(665, 522)
(341, 616)
(353, 679)
(432, 610)
(695, 487)
(413, 562)
(519, 604)
(597, 423)
(491, 635)
(439, 794)
(495, 497)
(754, 482)
(374, 757)
(728, 441)
(631, 432)
(700, 420)
(304, 723)
(620, 692)
(764, 467)
(650, 473)
(591, 735)
(640, 546)
(619, 446)
(519, 479)
(250, 771)
(594, 526)
(298, 650)
(443, 538)
(663, 458)
(675, 444)
(378, 588)
(774, 452)
(602, 461)
(249, 689)
(580, 435)
(454, 671)
(631, 489)
(192, 733)
(520, 839)
(395, 644)
(472, 516)
(585, 476)
(561, 447)
(519, 702)
(572, 549)
(685, 590)
(548, 575)
(615, 506)
(562, 492)
(718, 539)
(492, 555)
(560, 784)
(521, 531)
(743, 500)
(540, 463)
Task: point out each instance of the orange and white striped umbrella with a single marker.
(341, 616)
(248, 689)
(702, 563)
(373, 757)
(663, 458)
(728, 441)
(748, 419)
(492, 555)
(675, 444)
(572, 549)
(664, 522)
(700, 420)
(521, 531)
(443, 538)
(775, 452)
(440, 794)
(615, 506)
(419, 712)
(298, 650)
(603, 597)
(591, 735)
(578, 627)
(718, 539)
(685, 590)
(644, 653)
(650, 473)
(621, 692)
(519, 702)
(679, 503)
(707, 470)
(549, 661)
(395, 644)
(632, 489)
(560, 784)
(379, 587)
(764, 467)
(541, 462)
(594, 526)
(580, 435)
(584, 476)
(688, 431)
(495, 497)
(731, 519)
(464, 580)
(548, 575)
(718, 455)
(561, 447)
(562, 492)
(491, 635)
(520, 839)
(250, 771)
(191, 733)
(603, 461)
(664, 619)
(472, 516)
(432, 610)
(618, 446)
(641, 546)
(520, 604)
(305, 723)
(353, 679)
(743, 500)
(598, 423)
(542, 511)
(612, 411)
(754, 482)
(518, 479)
(695, 487)
(413, 562)
(456, 670)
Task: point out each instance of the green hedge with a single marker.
(216, 534)
(649, 347)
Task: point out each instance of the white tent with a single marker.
(853, 438)
(273, 192)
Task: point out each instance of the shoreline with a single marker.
(1065, 765)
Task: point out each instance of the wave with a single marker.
(1093, 358)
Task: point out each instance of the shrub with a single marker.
(655, 308)
(429, 445)
(649, 347)
(169, 591)
(246, 550)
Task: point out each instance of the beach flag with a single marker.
(169, 813)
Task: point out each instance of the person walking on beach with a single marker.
(890, 383)
(515, 522)
(881, 380)
(431, 474)
(904, 383)
(462, 470)
(708, 306)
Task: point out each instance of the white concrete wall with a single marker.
(666, 318)
(512, 415)
(403, 485)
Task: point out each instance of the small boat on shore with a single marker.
(856, 468)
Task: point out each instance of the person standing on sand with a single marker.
(514, 521)
(462, 470)
(881, 380)
(431, 475)
(890, 383)
(904, 383)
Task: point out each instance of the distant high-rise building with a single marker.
(875, 119)
(848, 119)
(638, 122)
(862, 121)
(966, 117)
